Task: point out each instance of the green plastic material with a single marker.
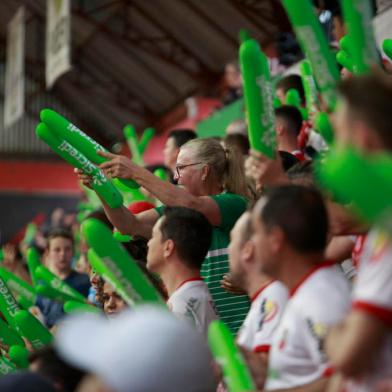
(292, 98)
(56, 283)
(243, 35)
(359, 17)
(131, 138)
(18, 286)
(145, 139)
(125, 275)
(121, 237)
(8, 335)
(32, 329)
(387, 47)
(322, 124)
(6, 366)
(341, 172)
(19, 355)
(315, 46)
(277, 103)
(344, 59)
(259, 98)
(8, 304)
(81, 142)
(100, 183)
(310, 87)
(161, 174)
(344, 44)
(225, 352)
(33, 261)
(77, 307)
(51, 293)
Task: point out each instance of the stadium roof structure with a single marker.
(134, 60)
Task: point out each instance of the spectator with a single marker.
(233, 82)
(59, 255)
(361, 347)
(290, 224)
(179, 243)
(268, 296)
(113, 304)
(51, 367)
(176, 139)
(288, 125)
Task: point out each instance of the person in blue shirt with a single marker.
(59, 255)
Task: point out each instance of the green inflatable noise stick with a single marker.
(340, 173)
(387, 47)
(100, 183)
(292, 98)
(126, 276)
(51, 293)
(56, 283)
(83, 143)
(8, 305)
(19, 355)
(71, 307)
(243, 35)
(147, 135)
(322, 124)
(259, 98)
(32, 329)
(358, 17)
(315, 46)
(8, 336)
(131, 138)
(161, 174)
(121, 237)
(18, 286)
(344, 44)
(33, 261)
(100, 268)
(6, 366)
(344, 59)
(309, 87)
(225, 352)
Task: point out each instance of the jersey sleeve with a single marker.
(271, 310)
(231, 207)
(373, 289)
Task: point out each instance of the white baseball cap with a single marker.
(145, 349)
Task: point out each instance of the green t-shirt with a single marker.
(231, 309)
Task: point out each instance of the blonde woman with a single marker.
(211, 180)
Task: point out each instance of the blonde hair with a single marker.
(226, 165)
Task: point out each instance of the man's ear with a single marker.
(280, 128)
(248, 251)
(277, 239)
(168, 248)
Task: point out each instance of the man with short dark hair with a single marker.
(59, 253)
(288, 125)
(179, 243)
(268, 298)
(290, 234)
(175, 140)
(361, 347)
